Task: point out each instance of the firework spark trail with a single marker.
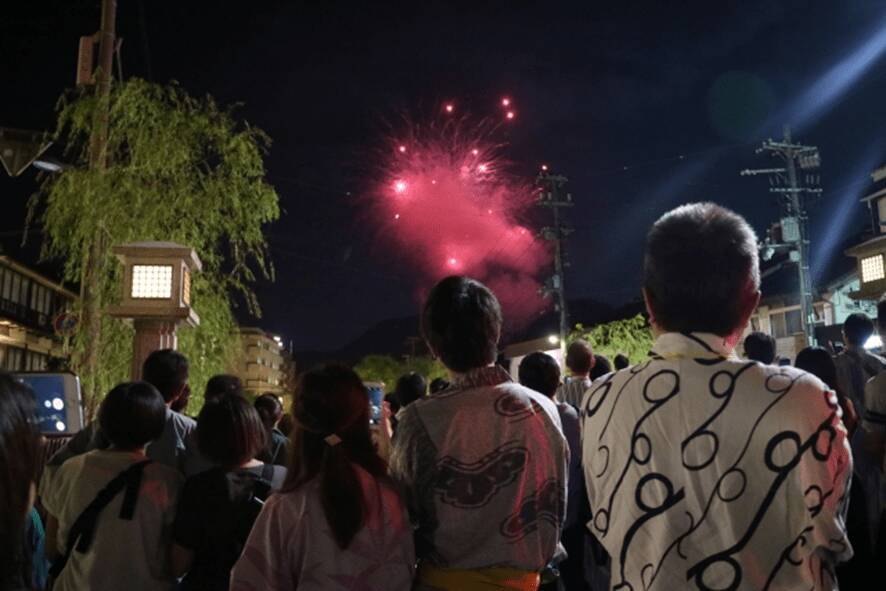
(447, 204)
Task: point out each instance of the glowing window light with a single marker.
(59, 426)
(151, 281)
(58, 403)
(873, 342)
(872, 268)
(186, 287)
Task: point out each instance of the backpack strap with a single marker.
(83, 530)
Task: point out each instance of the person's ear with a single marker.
(650, 312)
(750, 306)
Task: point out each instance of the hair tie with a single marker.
(332, 440)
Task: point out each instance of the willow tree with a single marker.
(181, 169)
(629, 336)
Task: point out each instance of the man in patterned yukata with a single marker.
(483, 462)
(705, 471)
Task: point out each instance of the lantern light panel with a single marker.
(151, 282)
(872, 268)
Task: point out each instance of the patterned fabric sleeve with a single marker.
(412, 466)
(270, 558)
(825, 472)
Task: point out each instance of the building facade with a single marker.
(262, 363)
(30, 305)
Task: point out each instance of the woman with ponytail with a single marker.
(338, 522)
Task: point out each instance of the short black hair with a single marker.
(818, 362)
(540, 372)
(857, 329)
(221, 384)
(166, 370)
(579, 357)
(461, 322)
(759, 346)
(621, 361)
(270, 409)
(700, 269)
(602, 366)
(230, 431)
(132, 415)
(438, 385)
(410, 387)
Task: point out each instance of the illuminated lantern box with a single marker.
(156, 295)
(871, 254)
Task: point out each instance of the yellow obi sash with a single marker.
(483, 579)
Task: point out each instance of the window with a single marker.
(151, 281)
(7, 283)
(793, 321)
(872, 268)
(15, 295)
(779, 330)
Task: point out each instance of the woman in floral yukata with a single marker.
(338, 522)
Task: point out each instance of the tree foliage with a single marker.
(630, 336)
(387, 369)
(181, 169)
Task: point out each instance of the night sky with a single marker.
(643, 105)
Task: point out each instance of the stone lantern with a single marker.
(156, 295)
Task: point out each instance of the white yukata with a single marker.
(292, 547)
(708, 472)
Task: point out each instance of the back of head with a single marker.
(19, 457)
(759, 346)
(222, 385)
(410, 387)
(132, 415)
(580, 357)
(857, 329)
(438, 385)
(818, 362)
(540, 372)
(601, 367)
(621, 361)
(701, 270)
(461, 322)
(230, 431)
(331, 413)
(166, 370)
(269, 408)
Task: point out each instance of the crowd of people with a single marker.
(707, 465)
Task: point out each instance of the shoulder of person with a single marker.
(162, 472)
(183, 421)
(802, 393)
(567, 411)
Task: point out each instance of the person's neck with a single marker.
(139, 451)
(456, 374)
(580, 376)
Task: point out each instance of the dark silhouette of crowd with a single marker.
(708, 464)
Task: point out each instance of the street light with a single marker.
(156, 295)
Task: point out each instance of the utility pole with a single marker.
(792, 197)
(553, 195)
(90, 294)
